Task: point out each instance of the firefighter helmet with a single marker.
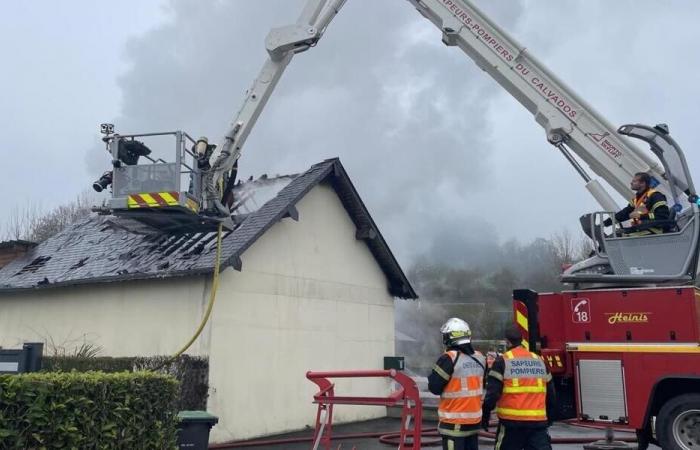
(456, 332)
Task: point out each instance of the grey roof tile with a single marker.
(108, 248)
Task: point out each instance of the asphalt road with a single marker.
(390, 424)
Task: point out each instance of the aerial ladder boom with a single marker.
(571, 125)
(569, 122)
(281, 44)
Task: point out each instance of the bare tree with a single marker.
(32, 224)
(564, 246)
(20, 221)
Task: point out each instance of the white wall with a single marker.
(149, 317)
(310, 297)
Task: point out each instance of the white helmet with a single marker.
(200, 147)
(456, 332)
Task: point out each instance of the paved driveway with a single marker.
(390, 424)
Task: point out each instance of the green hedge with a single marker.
(191, 371)
(88, 410)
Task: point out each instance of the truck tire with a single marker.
(678, 423)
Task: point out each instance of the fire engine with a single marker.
(623, 344)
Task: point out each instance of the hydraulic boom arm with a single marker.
(281, 44)
(570, 124)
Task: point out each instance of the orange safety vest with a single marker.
(460, 401)
(524, 387)
(641, 201)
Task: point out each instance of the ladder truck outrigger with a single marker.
(623, 344)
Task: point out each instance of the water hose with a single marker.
(212, 296)
(392, 438)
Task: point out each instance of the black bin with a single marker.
(193, 429)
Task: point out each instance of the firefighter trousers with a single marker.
(522, 438)
(461, 442)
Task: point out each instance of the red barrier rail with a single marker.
(407, 395)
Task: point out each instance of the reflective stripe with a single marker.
(459, 415)
(522, 412)
(524, 389)
(450, 444)
(169, 199)
(440, 372)
(647, 232)
(464, 372)
(452, 433)
(650, 347)
(637, 202)
(496, 375)
(463, 393)
(525, 344)
(657, 204)
(149, 200)
(501, 435)
(521, 319)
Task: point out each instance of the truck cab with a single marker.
(621, 259)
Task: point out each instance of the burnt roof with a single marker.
(102, 249)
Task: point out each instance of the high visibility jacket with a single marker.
(638, 202)
(460, 401)
(524, 393)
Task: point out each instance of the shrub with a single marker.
(88, 410)
(191, 371)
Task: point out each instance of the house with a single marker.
(307, 283)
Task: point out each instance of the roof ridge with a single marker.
(104, 248)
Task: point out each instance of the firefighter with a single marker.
(646, 206)
(520, 387)
(491, 356)
(458, 378)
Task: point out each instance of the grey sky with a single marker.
(435, 147)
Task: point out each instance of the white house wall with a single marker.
(150, 317)
(310, 297)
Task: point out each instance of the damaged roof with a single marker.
(108, 249)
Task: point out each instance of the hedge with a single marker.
(191, 371)
(88, 410)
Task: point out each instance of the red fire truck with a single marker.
(624, 356)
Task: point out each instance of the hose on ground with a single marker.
(392, 438)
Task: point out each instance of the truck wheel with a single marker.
(678, 423)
